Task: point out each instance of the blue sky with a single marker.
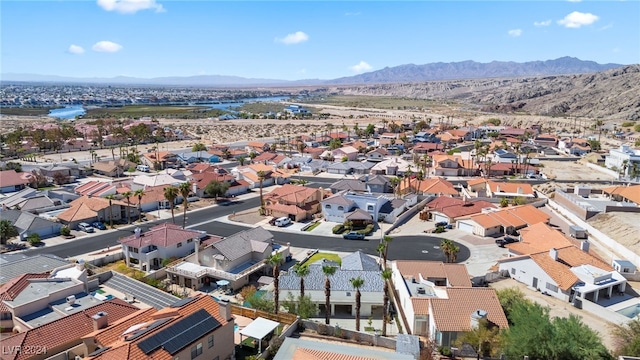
(292, 40)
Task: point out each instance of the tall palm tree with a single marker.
(386, 240)
(110, 198)
(139, 193)
(446, 246)
(127, 195)
(328, 271)
(357, 283)
(274, 261)
(301, 271)
(261, 176)
(380, 250)
(185, 190)
(171, 193)
(419, 178)
(453, 252)
(386, 277)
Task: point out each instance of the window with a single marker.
(513, 271)
(340, 208)
(552, 287)
(133, 250)
(210, 341)
(369, 207)
(327, 206)
(179, 244)
(189, 241)
(196, 351)
(348, 293)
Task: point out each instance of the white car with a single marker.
(282, 222)
(85, 227)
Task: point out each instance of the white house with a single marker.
(617, 157)
(164, 241)
(343, 294)
(335, 207)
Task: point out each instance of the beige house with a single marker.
(295, 202)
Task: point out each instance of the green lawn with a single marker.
(321, 255)
(313, 226)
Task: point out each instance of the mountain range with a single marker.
(402, 73)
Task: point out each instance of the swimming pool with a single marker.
(235, 328)
(631, 311)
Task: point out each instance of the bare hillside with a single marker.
(610, 95)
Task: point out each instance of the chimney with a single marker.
(80, 265)
(196, 243)
(225, 310)
(584, 246)
(137, 232)
(498, 188)
(554, 254)
(100, 321)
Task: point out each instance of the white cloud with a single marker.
(515, 32)
(577, 19)
(130, 6)
(106, 46)
(574, 0)
(75, 49)
(294, 38)
(361, 67)
(542, 23)
(606, 27)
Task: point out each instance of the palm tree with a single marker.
(301, 271)
(395, 183)
(171, 193)
(380, 250)
(139, 193)
(407, 175)
(453, 251)
(447, 247)
(328, 271)
(110, 198)
(419, 178)
(198, 147)
(386, 240)
(261, 176)
(599, 124)
(386, 277)
(127, 195)
(185, 190)
(274, 261)
(625, 165)
(357, 283)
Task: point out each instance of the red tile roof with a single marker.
(455, 208)
(456, 274)
(454, 313)
(163, 235)
(12, 178)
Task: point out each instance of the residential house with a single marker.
(550, 140)
(352, 266)
(628, 194)
(377, 155)
(504, 156)
(438, 299)
(11, 181)
(567, 273)
(377, 183)
(317, 349)
(493, 189)
(27, 223)
(314, 152)
(147, 250)
(624, 159)
(191, 328)
(295, 202)
(201, 180)
(389, 139)
(16, 198)
(233, 258)
(449, 210)
(294, 109)
(349, 167)
(163, 178)
(153, 199)
(335, 208)
(272, 175)
(96, 188)
(574, 146)
(258, 146)
(507, 220)
(112, 168)
(348, 152)
(39, 204)
(315, 166)
(451, 165)
(191, 157)
(161, 159)
(423, 148)
(90, 209)
(436, 186)
(392, 166)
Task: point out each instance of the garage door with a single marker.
(439, 218)
(465, 227)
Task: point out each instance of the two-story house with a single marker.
(147, 250)
(338, 207)
(295, 202)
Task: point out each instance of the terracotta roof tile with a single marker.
(510, 187)
(163, 235)
(420, 306)
(11, 178)
(434, 185)
(454, 313)
(560, 273)
(313, 354)
(456, 274)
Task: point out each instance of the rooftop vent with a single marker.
(71, 299)
(421, 291)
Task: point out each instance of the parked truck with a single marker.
(577, 232)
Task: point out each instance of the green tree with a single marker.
(302, 306)
(518, 200)
(274, 261)
(301, 271)
(509, 297)
(110, 198)
(386, 277)
(628, 338)
(357, 283)
(241, 160)
(127, 195)
(328, 272)
(185, 190)
(485, 339)
(446, 246)
(198, 147)
(261, 176)
(171, 194)
(216, 188)
(7, 230)
(504, 202)
(370, 130)
(34, 239)
(139, 193)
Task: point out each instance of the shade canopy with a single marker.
(222, 282)
(259, 328)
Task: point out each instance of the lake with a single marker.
(69, 112)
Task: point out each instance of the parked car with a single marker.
(442, 223)
(353, 235)
(85, 227)
(282, 222)
(506, 240)
(99, 225)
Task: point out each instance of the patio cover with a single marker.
(258, 329)
(265, 280)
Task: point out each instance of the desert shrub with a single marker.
(338, 229)
(444, 350)
(628, 124)
(34, 239)
(367, 230)
(65, 231)
(439, 229)
(247, 291)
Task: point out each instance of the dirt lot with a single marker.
(567, 170)
(621, 227)
(558, 308)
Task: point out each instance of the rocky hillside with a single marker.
(611, 94)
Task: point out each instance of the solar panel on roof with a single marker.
(182, 302)
(180, 334)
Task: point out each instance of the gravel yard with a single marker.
(568, 170)
(621, 227)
